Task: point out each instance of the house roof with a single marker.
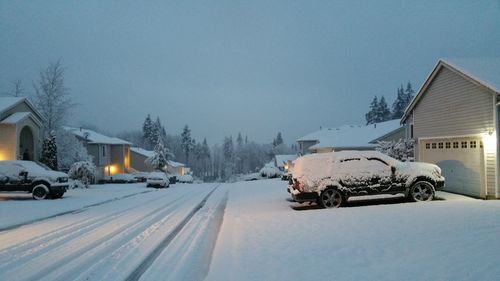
(7, 103)
(141, 151)
(94, 137)
(482, 71)
(149, 153)
(18, 117)
(354, 136)
(281, 159)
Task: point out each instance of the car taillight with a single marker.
(297, 185)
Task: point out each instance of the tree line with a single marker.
(379, 110)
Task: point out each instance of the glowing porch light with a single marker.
(490, 141)
(111, 169)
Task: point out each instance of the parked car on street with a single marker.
(158, 180)
(121, 178)
(331, 178)
(140, 176)
(29, 176)
(185, 179)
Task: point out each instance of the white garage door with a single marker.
(461, 161)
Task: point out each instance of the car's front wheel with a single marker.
(40, 192)
(330, 198)
(421, 191)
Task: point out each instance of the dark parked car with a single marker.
(33, 178)
(331, 178)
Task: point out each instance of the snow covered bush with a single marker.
(69, 150)
(159, 159)
(270, 171)
(401, 150)
(84, 172)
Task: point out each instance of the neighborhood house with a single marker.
(138, 158)
(454, 121)
(351, 137)
(20, 129)
(110, 155)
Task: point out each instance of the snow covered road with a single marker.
(118, 240)
(247, 231)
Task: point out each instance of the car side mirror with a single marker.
(393, 169)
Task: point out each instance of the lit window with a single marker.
(448, 144)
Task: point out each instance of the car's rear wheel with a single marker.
(421, 191)
(40, 192)
(331, 198)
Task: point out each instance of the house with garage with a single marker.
(110, 155)
(454, 121)
(20, 129)
(351, 137)
(138, 158)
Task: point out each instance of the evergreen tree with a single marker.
(187, 142)
(409, 93)
(371, 115)
(239, 140)
(156, 131)
(147, 132)
(278, 140)
(159, 159)
(383, 112)
(399, 105)
(49, 151)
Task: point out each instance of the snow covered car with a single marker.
(331, 178)
(185, 179)
(31, 177)
(121, 178)
(270, 171)
(158, 179)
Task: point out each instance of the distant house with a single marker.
(351, 137)
(454, 120)
(282, 161)
(110, 155)
(138, 158)
(20, 129)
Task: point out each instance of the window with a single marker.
(472, 144)
(427, 145)
(378, 160)
(464, 144)
(411, 131)
(103, 151)
(433, 145)
(481, 144)
(448, 144)
(350, 159)
(440, 145)
(455, 144)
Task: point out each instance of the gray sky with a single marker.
(258, 67)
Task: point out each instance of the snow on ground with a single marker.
(18, 207)
(263, 238)
(245, 231)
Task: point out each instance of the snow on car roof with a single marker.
(351, 135)
(94, 137)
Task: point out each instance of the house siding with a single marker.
(137, 162)
(453, 106)
(8, 142)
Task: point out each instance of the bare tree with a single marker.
(52, 96)
(17, 89)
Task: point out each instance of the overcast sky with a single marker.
(258, 67)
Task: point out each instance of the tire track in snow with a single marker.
(29, 249)
(148, 261)
(74, 211)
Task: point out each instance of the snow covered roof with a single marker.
(7, 103)
(94, 137)
(142, 151)
(281, 159)
(175, 164)
(353, 136)
(16, 118)
(484, 71)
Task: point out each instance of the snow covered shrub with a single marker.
(83, 171)
(69, 150)
(401, 150)
(270, 171)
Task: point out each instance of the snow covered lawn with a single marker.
(18, 208)
(263, 238)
